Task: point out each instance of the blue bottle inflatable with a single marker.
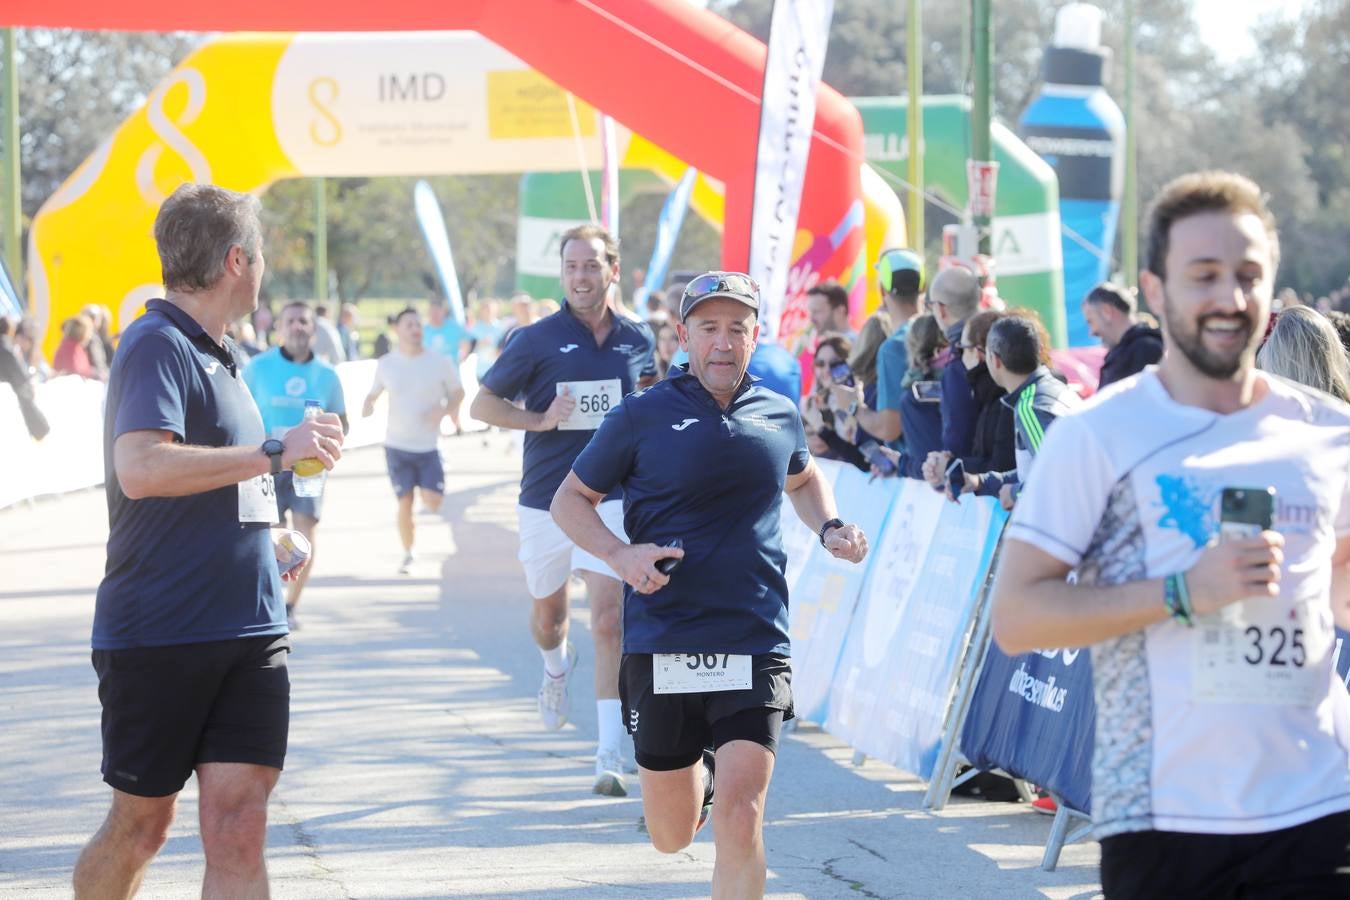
(1080, 131)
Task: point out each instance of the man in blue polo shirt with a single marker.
(901, 275)
(281, 380)
(704, 458)
(570, 369)
(190, 637)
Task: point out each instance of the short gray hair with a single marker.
(195, 229)
(958, 290)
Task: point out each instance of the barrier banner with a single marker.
(825, 590)
(895, 674)
(1034, 717)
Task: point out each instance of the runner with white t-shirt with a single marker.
(1221, 765)
(570, 369)
(423, 388)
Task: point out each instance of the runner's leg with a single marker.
(548, 620)
(605, 596)
(743, 772)
(671, 804)
(405, 521)
(233, 818)
(114, 861)
(306, 525)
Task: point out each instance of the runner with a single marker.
(1221, 766)
(281, 380)
(189, 633)
(704, 458)
(423, 388)
(570, 369)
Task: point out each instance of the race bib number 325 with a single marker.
(1260, 651)
(594, 401)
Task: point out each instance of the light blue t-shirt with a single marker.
(444, 338)
(892, 363)
(280, 386)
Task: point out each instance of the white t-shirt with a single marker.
(416, 385)
(1239, 724)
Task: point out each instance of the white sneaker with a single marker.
(405, 567)
(609, 775)
(554, 702)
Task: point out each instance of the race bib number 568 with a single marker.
(594, 401)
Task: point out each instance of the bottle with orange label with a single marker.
(309, 474)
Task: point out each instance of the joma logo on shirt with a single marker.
(683, 425)
(568, 348)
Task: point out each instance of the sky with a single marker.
(1226, 24)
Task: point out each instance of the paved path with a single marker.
(417, 767)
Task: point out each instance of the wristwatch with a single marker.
(274, 448)
(829, 524)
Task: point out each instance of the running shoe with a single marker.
(1045, 805)
(609, 775)
(405, 568)
(554, 702)
(709, 763)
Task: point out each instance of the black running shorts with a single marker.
(166, 709)
(670, 730)
(1306, 861)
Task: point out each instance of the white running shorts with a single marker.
(549, 556)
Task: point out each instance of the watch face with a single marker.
(272, 447)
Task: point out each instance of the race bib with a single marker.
(699, 673)
(1258, 651)
(594, 401)
(258, 500)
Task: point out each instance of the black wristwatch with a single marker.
(829, 524)
(274, 448)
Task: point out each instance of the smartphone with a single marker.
(956, 478)
(841, 374)
(927, 391)
(872, 450)
(670, 563)
(1245, 512)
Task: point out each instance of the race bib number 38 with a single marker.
(699, 673)
(594, 401)
(1260, 651)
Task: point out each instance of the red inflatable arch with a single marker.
(681, 76)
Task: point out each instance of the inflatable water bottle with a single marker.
(1080, 131)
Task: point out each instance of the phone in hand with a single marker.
(841, 374)
(872, 451)
(1245, 512)
(956, 478)
(927, 391)
(670, 563)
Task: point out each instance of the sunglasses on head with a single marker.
(721, 283)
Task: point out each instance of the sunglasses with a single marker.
(721, 283)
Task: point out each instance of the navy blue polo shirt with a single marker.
(555, 349)
(182, 570)
(715, 480)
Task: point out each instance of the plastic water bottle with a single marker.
(309, 474)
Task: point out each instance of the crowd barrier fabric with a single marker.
(70, 458)
(823, 590)
(1034, 716)
(910, 625)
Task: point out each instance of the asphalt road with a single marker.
(417, 767)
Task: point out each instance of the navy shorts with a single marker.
(408, 470)
(168, 709)
(287, 501)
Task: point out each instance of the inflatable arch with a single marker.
(244, 111)
(1026, 242)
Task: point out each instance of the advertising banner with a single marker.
(895, 674)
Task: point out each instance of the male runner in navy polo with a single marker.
(570, 369)
(281, 380)
(190, 636)
(704, 458)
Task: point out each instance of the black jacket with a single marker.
(992, 448)
(15, 374)
(1139, 346)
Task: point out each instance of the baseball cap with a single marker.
(710, 285)
(900, 270)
